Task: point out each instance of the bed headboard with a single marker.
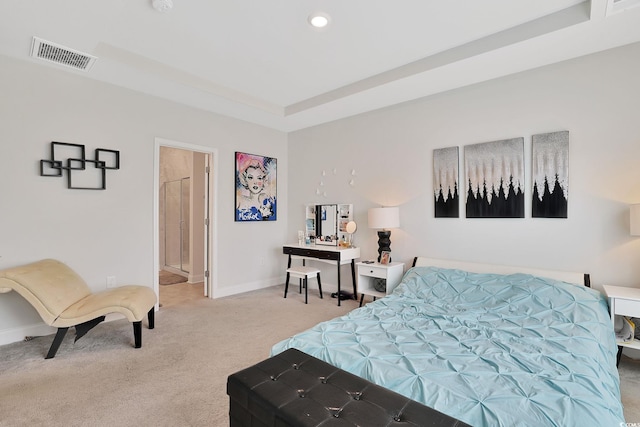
(565, 276)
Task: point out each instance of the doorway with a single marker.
(184, 232)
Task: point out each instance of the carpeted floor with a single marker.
(178, 377)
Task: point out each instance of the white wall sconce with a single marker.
(634, 220)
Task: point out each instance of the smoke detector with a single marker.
(61, 55)
(162, 5)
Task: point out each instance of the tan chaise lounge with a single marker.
(63, 299)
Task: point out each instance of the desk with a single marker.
(327, 253)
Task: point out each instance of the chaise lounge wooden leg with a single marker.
(137, 333)
(56, 342)
(152, 316)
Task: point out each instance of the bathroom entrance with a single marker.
(183, 206)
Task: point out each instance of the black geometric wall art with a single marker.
(495, 179)
(445, 183)
(72, 158)
(550, 175)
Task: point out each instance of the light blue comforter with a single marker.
(490, 350)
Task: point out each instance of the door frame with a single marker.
(210, 242)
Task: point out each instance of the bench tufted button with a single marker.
(273, 378)
(295, 366)
(357, 395)
(301, 393)
(397, 418)
(323, 380)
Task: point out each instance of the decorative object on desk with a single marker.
(256, 187)
(350, 229)
(72, 157)
(634, 220)
(384, 218)
(550, 162)
(385, 257)
(495, 179)
(445, 183)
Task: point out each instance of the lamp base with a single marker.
(384, 243)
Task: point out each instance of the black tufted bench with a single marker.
(296, 389)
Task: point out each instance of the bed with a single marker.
(488, 345)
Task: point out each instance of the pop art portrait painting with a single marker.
(256, 187)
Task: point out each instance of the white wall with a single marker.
(595, 98)
(103, 233)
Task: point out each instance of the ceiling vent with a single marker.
(614, 6)
(61, 55)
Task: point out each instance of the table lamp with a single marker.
(383, 219)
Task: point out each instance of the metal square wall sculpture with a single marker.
(72, 159)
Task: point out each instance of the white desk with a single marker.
(328, 253)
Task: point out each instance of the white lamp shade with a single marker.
(634, 220)
(384, 217)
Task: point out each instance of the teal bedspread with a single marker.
(490, 350)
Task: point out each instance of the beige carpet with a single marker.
(178, 377)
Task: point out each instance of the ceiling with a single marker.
(260, 61)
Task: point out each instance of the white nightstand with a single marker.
(624, 302)
(377, 279)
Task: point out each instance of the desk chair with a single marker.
(303, 273)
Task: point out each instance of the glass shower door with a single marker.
(176, 216)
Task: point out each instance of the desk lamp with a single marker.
(384, 218)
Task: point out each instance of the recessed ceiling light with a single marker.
(319, 20)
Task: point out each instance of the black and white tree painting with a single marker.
(495, 179)
(550, 174)
(445, 182)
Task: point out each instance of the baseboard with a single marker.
(196, 278)
(247, 287)
(275, 281)
(9, 336)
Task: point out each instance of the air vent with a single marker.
(614, 6)
(61, 55)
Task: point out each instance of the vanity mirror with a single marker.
(327, 223)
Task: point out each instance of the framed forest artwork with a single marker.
(256, 187)
(550, 175)
(445, 183)
(495, 179)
